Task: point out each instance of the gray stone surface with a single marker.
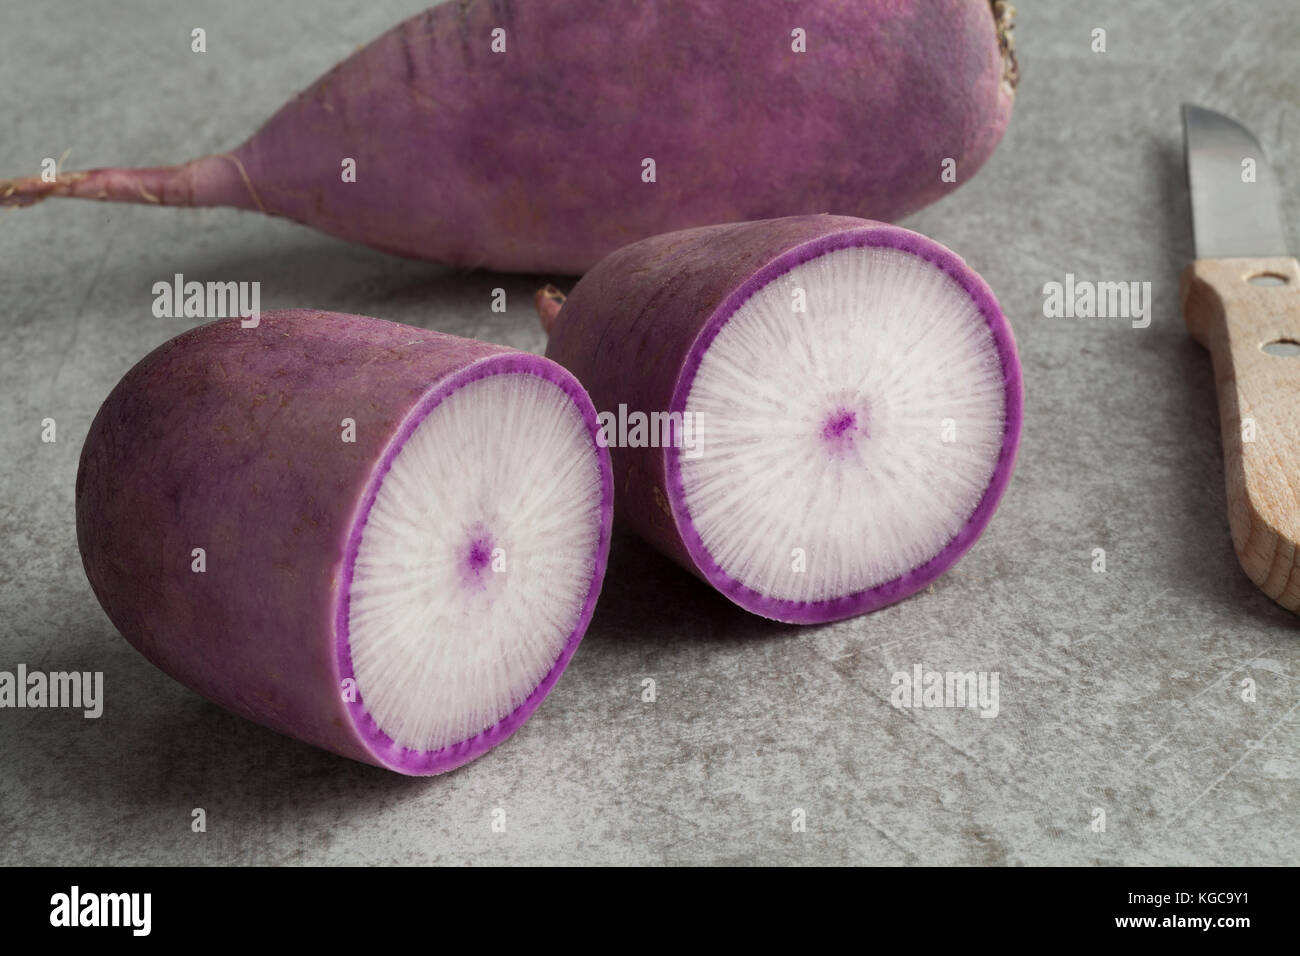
(1119, 691)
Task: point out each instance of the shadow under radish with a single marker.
(648, 599)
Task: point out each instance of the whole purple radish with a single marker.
(816, 415)
(540, 135)
(381, 540)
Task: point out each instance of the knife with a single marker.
(1241, 300)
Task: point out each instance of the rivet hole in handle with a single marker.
(1281, 347)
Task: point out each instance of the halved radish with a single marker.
(845, 397)
(381, 540)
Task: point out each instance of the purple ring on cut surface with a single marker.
(370, 736)
(913, 580)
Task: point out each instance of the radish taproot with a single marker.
(540, 136)
(381, 540)
(816, 415)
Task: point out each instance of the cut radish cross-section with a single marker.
(381, 540)
(473, 569)
(851, 393)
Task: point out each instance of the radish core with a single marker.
(475, 562)
(853, 414)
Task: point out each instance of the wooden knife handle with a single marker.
(1259, 408)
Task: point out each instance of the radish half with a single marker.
(845, 402)
(381, 540)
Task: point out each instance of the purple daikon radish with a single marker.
(540, 135)
(816, 415)
(381, 540)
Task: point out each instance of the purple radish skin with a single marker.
(848, 452)
(533, 159)
(405, 598)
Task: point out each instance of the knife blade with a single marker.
(1234, 197)
(1241, 300)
